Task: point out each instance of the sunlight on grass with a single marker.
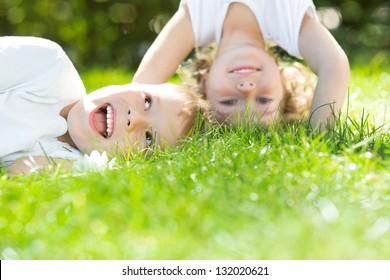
(370, 90)
(98, 78)
(228, 193)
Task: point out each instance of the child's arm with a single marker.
(26, 165)
(170, 48)
(329, 62)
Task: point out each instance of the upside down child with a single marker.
(243, 74)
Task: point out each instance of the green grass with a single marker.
(244, 193)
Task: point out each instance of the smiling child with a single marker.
(46, 115)
(243, 74)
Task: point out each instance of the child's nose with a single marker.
(246, 88)
(135, 119)
(128, 121)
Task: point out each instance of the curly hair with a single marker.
(196, 110)
(298, 92)
(298, 83)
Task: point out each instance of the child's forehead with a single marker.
(166, 88)
(169, 92)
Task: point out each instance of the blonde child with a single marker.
(298, 83)
(46, 115)
(243, 74)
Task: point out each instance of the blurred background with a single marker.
(112, 33)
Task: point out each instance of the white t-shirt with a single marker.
(279, 20)
(37, 80)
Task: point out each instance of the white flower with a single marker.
(94, 162)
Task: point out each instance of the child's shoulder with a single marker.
(30, 43)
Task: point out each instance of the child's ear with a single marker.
(203, 81)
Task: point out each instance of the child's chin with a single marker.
(86, 148)
(89, 149)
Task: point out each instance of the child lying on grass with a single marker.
(46, 115)
(243, 74)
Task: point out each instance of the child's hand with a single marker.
(30, 164)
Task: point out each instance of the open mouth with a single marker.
(245, 70)
(103, 120)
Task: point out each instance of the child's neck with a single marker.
(66, 137)
(240, 27)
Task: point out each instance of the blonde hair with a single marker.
(298, 92)
(196, 110)
(297, 82)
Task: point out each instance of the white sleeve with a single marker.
(23, 59)
(203, 19)
(283, 21)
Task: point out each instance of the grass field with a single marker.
(244, 193)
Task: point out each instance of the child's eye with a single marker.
(263, 100)
(148, 103)
(149, 139)
(229, 102)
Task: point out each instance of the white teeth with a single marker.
(110, 120)
(245, 71)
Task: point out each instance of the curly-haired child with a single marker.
(297, 81)
(243, 74)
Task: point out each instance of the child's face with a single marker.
(127, 117)
(243, 79)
